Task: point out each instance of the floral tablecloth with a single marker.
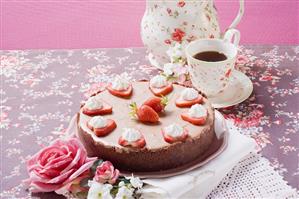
(42, 89)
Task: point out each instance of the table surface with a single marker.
(42, 89)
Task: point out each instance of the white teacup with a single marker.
(212, 77)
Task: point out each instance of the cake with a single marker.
(138, 146)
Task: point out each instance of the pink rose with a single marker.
(106, 173)
(57, 165)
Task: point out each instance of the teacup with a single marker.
(211, 77)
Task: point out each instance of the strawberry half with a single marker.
(120, 93)
(140, 143)
(162, 91)
(171, 139)
(145, 113)
(196, 121)
(180, 102)
(106, 109)
(157, 103)
(100, 132)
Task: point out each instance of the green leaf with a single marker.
(114, 191)
(163, 74)
(84, 182)
(125, 180)
(81, 194)
(164, 100)
(134, 108)
(171, 78)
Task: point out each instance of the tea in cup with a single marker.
(211, 61)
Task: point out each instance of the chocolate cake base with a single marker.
(174, 155)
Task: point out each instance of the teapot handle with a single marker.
(232, 36)
(239, 16)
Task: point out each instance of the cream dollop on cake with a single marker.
(189, 94)
(158, 81)
(98, 122)
(93, 103)
(120, 83)
(197, 111)
(174, 130)
(131, 135)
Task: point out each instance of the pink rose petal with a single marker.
(74, 162)
(61, 178)
(35, 176)
(42, 187)
(83, 168)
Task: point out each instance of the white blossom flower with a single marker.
(121, 183)
(99, 190)
(176, 53)
(124, 193)
(136, 182)
(168, 69)
(174, 69)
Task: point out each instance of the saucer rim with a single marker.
(248, 89)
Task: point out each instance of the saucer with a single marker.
(239, 89)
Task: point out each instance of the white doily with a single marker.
(253, 177)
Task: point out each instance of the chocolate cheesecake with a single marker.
(157, 154)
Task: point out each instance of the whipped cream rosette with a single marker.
(101, 126)
(96, 106)
(196, 115)
(120, 87)
(131, 138)
(160, 86)
(174, 133)
(188, 97)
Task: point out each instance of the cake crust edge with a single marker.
(145, 160)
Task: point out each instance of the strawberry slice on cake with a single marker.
(144, 113)
(101, 126)
(188, 97)
(160, 86)
(196, 115)
(95, 106)
(120, 87)
(157, 103)
(174, 133)
(131, 138)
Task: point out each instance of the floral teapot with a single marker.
(167, 22)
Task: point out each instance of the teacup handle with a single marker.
(232, 36)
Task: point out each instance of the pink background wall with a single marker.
(75, 24)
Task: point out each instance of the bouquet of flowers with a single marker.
(176, 69)
(64, 167)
